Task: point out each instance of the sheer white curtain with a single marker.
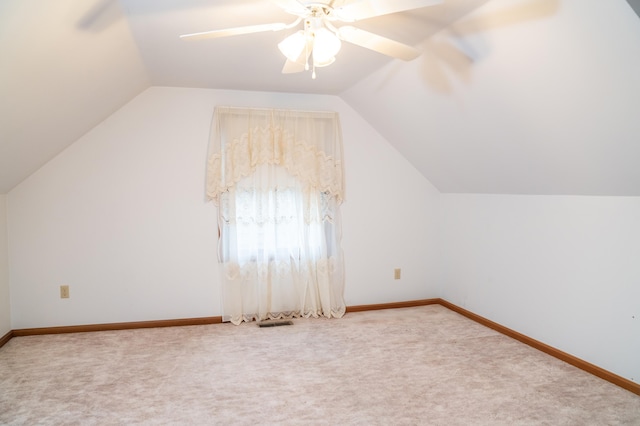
(277, 178)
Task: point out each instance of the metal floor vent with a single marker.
(274, 323)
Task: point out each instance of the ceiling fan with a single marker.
(320, 39)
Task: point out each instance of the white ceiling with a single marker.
(57, 80)
(550, 103)
(509, 96)
(253, 61)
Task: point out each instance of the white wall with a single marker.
(564, 270)
(5, 305)
(120, 217)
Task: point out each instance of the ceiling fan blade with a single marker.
(365, 9)
(291, 67)
(377, 43)
(234, 31)
(293, 7)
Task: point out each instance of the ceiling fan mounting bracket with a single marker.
(318, 11)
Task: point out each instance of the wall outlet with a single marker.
(396, 274)
(64, 292)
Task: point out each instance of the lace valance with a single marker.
(307, 144)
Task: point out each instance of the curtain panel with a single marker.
(278, 181)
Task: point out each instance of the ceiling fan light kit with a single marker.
(325, 47)
(293, 46)
(320, 40)
(317, 40)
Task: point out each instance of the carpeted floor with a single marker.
(425, 365)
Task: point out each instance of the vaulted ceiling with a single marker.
(508, 96)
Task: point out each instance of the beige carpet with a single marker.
(424, 365)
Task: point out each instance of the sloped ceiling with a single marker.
(509, 96)
(546, 102)
(57, 80)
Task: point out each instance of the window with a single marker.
(270, 225)
(277, 179)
